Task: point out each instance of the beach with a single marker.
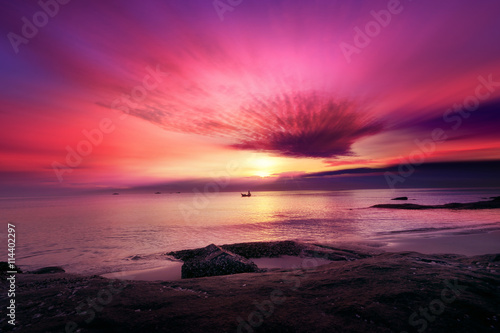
(325, 288)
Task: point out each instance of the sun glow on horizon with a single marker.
(263, 174)
(264, 166)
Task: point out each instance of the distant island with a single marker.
(490, 204)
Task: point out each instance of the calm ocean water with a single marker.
(96, 234)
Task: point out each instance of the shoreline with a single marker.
(358, 291)
(430, 243)
(470, 244)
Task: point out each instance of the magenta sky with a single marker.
(124, 93)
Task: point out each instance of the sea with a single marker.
(103, 233)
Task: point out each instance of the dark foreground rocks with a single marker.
(248, 250)
(48, 270)
(385, 292)
(214, 260)
(6, 267)
(491, 204)
(205, 257)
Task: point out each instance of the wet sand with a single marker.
(466, 244)
(170, 271)
(470, 244)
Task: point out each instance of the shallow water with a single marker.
(97, 234)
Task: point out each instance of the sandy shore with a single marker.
(171, 271)
(469, 244)
(466, 244)
(360, 291)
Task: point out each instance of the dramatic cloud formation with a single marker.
(304, 125)
(292, 125)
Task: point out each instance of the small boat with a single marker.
(116, 193)
(247, 194)
(157, 192)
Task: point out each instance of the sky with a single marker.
(266, 94)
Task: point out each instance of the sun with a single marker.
(263, 167)
(263, 174)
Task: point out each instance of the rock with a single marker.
(48, 270)
(248, 250)
(402, 206)
(214, 260)
(492, 204)
(4, 268)
(265, 249)
(400, 198)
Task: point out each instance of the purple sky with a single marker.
(129, 93)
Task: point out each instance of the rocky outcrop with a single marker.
(6, 267)
(248, 250)
(495, 203)
(254, 250)
(400, 198)
(214, 260)
(48, 270)
(266, 249)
